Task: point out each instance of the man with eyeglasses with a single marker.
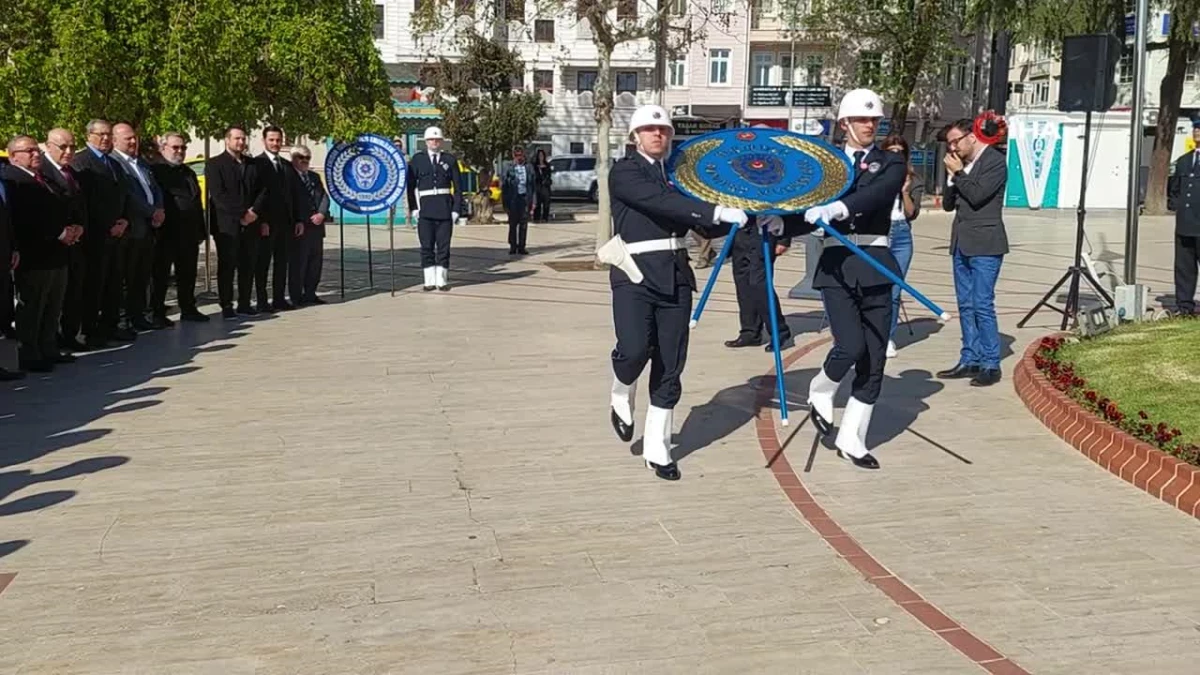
(57, 171)
(976, 176)
(309, 253)
(181, 234)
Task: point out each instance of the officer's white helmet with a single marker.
(432, 133)
(860, 103)
(649, 116)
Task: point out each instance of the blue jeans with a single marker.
(902, 250)
(975, 288)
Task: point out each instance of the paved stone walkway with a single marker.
(427, 483)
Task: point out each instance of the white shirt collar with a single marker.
(53, 163)
(865, 151)
(25, 170)
(124, 156)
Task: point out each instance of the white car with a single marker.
(574, 176)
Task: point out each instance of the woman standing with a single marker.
(905, 210)
(542, 179)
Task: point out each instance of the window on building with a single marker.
(1125, 67)
(1189, 75)
(718, 66)
(626, 82)
(814, 68)
(543, 80)
(585, 80)
(517, 81)
(627, 10)
(543, 30)
(677, 7)
(962, 74)
(870, 69)
(720, 6)
(677, 74)
(576, 148)
(377, 32)
(1041, 92)
(763, 62)
(762, 8)
(514, 10)
(786, 71)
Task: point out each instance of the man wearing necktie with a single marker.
(1184, 190)
(434, 200)
(285, 210)
(57, 171)
(145, 213)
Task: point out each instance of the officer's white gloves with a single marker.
(774, 224)
(724, 214)
(453, 216)
(416, 215)
(828, 213)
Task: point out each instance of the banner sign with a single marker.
(1034, 158)
(367, 175)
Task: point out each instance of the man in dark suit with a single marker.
(104, 189)
(976, 177)
(434, 200)
(309, 253)
(56, 170)
(44, 231)
(750, 282)
(282, 219)
(237, 199)
(1184, 191)
(517, 194)
(9, 259)
(181, 233)
(144, 210)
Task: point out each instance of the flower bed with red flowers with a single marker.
(1160, 434)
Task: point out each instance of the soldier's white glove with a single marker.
(773, 224)
(454, 216)
(828, 213)
(724, 214)
(416, 215)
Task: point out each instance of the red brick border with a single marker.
(6, 579)
(850, 550)
(1135, 461)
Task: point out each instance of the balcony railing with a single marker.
(802, 96)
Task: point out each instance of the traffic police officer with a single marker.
(1185, 193)
(857, 296)
(652, 282)
(434, 200)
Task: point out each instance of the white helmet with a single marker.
(649, 116)
(432, 133)
(860, 103)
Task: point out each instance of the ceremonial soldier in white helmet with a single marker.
(652, 282)
(857, 297)
(434, 200)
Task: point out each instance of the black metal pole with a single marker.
(1072, 307)
(342, 248)
(370, 261)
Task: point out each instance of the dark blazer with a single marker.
(977, 199)
(138, 209)
(1184, 191)
(423, 175)
(869, 201)
(181, 201)
(316, 199)
(103, 185)
(233, 188)
(283, 199)
(39, 216)
(644, 207)
(71, 191)
(7, 243)
(508, 190)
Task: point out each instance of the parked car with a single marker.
(574, 176)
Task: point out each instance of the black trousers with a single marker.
(435, 241)
(860, 320)
(105, 274)
(72, 306)
(518, 226)
(273, 255)
(308, 257)
(541, 209)
(139, 263)
(7, 296)
(171, 250)
(236, 254)
(750, 282)
(1187, 257)
(652, 326)
(38, 313)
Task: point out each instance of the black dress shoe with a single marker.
(63, 358)
(124, 335)
(314, 300)
(11, 376)
(95, 342)
(867, 461)
(522, 251)
(283, 306)
(743, 341)
(228, 313)
(824, 426)
(161, 321)
(247, 310)
(666, 471)
(74, 346)
(265, 308)
(444, 288)
(624, 431)
(141, 325)
(428, 288)
(986, 377)
(787, 343)
(512, 251)
(958, 372)
(195, 316)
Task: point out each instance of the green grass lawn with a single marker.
(1153, 366)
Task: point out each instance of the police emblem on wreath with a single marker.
(366, 175)
(763, 171)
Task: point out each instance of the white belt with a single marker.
(434, 191)
(861, 240)
(672, 244)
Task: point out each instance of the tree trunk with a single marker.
(899, 116)
(1170, 92)
(604, 108)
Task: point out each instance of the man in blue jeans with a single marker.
(976, 177)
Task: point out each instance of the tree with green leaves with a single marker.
(1182, 48)
(482, 111)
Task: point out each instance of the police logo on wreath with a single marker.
(366, 175)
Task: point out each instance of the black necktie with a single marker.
(858, 158)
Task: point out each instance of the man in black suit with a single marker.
(517, 193)
(283, 220)
(145, 213)
(104, 189)
(309, 254)
(237, 199)
(750, 282)
(1184, 191)
(857, 297)
(434, 200)
(56, 169)
(181, 233)
(9, 258)
(44, 231)
(976, 177)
